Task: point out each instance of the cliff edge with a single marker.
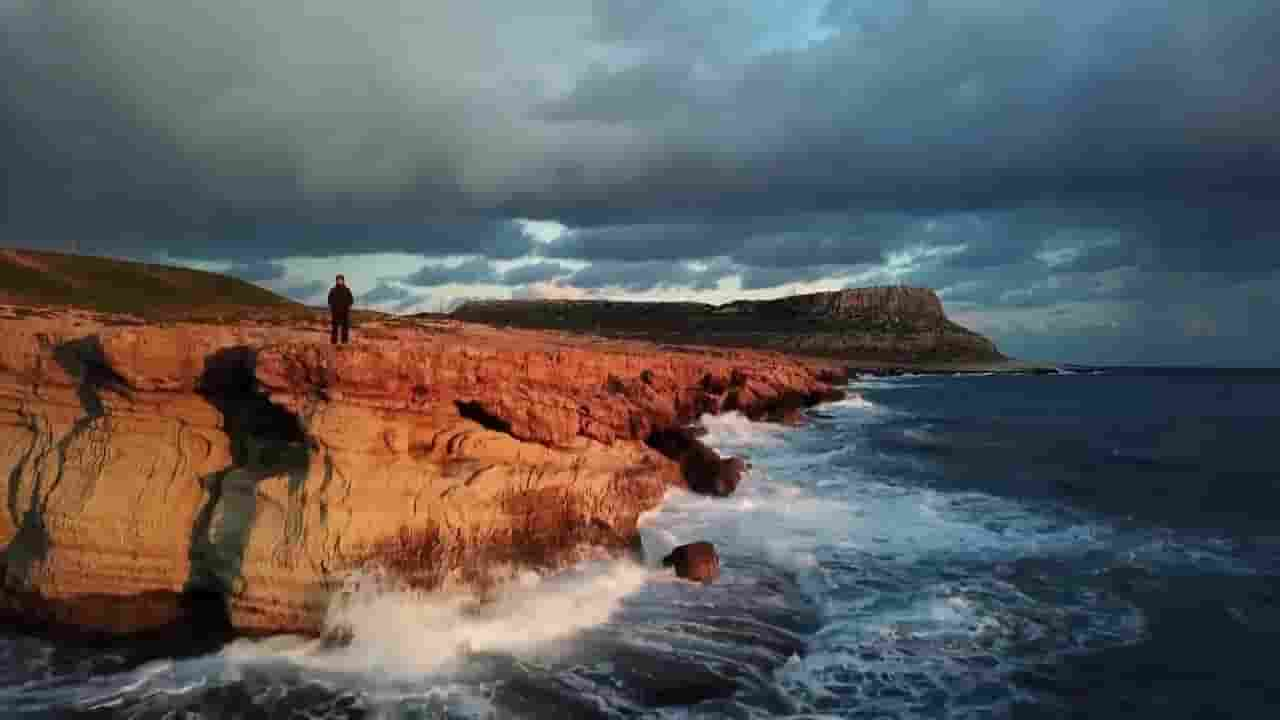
(233, 474)
(894, 324)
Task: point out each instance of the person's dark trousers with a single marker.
(341, 325)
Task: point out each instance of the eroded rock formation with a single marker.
(240, 471)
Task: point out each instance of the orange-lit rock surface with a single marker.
(256, 464)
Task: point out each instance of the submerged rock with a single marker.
(696, 561)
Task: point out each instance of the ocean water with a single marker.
(1093, 545)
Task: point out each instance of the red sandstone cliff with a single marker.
(147, 464)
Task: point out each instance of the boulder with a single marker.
(696, 561)
(721, 477)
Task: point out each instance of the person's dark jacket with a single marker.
(340, 300)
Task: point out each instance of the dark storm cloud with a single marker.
(639, 242)
(252, 242)
(624, 96)
(780, 241)
(832, 246)
(411, 303)
(644, 276)
(1053, 150)
(534, 273)
(252, 129)
(1193, 322)
(385, 293)
(1101, 258)
(302, 293)
(477, 270)
(257, 271)
(758, 278)
(495, 239)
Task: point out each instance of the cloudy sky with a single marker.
(1090, 181)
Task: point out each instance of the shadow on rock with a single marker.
(704, 470)
(46, 459)
(266, 440)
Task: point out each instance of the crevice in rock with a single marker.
(474, 411)
(703, 469)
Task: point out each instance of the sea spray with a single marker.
(853, 401)
(902, 627)
(401, 648)
(399, 631)
(735, 429)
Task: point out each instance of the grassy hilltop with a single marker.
(29, 277)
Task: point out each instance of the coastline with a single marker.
(1009, 366)
(181, 477)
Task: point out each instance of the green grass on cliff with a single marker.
(769, 325)
(675, 320)
(116, 286)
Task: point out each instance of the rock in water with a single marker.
(729, 473)
(695, 561)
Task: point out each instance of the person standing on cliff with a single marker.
(340, 302)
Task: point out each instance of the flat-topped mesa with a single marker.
(254, 466)
(897, 324)
(892, 303)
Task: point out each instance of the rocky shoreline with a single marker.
(229, 476)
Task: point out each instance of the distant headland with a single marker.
(877, 324)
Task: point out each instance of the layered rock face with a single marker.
(896, 324)
(255, 466)
(889, 304)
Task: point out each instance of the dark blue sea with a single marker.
(1098, 544)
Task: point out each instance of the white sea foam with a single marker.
(403, 644)
(774, 518)
(157, 678)
(735, 429)
(885, 383)
(463, 700)
(406, 633)
(904, 635)
(921, 436)
(854, 401)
